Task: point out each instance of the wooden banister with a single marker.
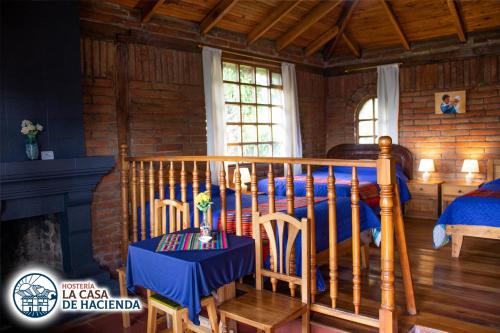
(356, 242)
(124, 176)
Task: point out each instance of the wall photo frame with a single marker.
(450, 102)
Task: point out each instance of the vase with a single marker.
(205, 232)
(31, 148)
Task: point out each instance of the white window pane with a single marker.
(366, 140)
(249, 150)
(277, 149)
(246, 74)
(278, 133)
(230, 72)
(263, 114)
(376, 127)
(277, 96)
(367, 110)
(265, 150)
(233, 150)
(249, 133)
(262, 95)
(262, 76)
(231, 92)
(232, 113)
(232, 134)
(365, 128)
(264, 133)
(278, 114)
(248, 114)
(276, 79)
(247, 94)
(376, 108)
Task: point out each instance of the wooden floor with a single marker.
(453, 295)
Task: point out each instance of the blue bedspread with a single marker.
(368, 220)
(368, 175)
(480, 207)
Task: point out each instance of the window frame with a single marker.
(373, 120)
(270, 70)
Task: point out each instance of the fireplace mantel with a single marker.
(64, 186)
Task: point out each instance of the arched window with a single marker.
(367, 122)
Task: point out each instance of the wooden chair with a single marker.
(267, 310)
(179, 219)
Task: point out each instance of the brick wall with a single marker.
(448, 139)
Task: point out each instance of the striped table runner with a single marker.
(190, 241)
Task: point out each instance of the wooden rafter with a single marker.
(452, 5)
(343, 21)
(216, 14)
(321, 41)
(312, 17)
(273, 18)
(149, 9)
(352, 45)
(395, 23)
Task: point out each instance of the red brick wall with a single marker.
(448, 139)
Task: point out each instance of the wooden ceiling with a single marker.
(332, 27)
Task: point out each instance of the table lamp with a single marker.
(426, 165)
(470, 166)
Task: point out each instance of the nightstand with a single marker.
(425, 199)
(453, 189)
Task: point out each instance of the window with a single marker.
(367, 122)
(253, 98)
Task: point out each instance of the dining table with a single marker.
(185, 276)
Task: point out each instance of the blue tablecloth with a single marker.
(186, 276)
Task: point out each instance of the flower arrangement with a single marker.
(29, 129)
(202, 201)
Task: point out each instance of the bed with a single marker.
(367, 176)
(475, 214)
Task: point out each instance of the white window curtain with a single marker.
(214, 106)
(291, 120)
(388, 100)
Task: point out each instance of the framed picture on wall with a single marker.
(450, 102)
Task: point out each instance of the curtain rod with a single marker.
(241, 53)
(369, 67)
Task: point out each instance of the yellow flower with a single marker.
(202, 201)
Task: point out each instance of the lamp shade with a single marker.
(245, 175)
(470, 166)
(426, 165)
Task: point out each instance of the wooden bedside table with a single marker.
(453, 189)
(425, 199)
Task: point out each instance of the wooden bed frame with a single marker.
(457, 232)
(144, 177)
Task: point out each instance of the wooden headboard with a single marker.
(370, 151)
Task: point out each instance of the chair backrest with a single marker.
(178, 216)
(275, 226)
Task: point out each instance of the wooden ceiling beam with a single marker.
(314, 15)
(271, 19)
(321, 41)
(395, 23)
(452, 5)
(343, 21)
(149, 9)
(216, 14)
(352, 45)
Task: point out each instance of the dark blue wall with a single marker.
(40, 77)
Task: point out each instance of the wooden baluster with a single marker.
(134, 202)
(332, 222)
(142, 191)
(183, 191)
(270, 198)
(356, 242)
(291, 211)
(196, 190)
(208, 188)
(171, 185)
(387, 313)
(310, 216)
(161, 192)
(254, 189)
(124, 174)
(222, 186)
(153, 231)
(237, 188)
